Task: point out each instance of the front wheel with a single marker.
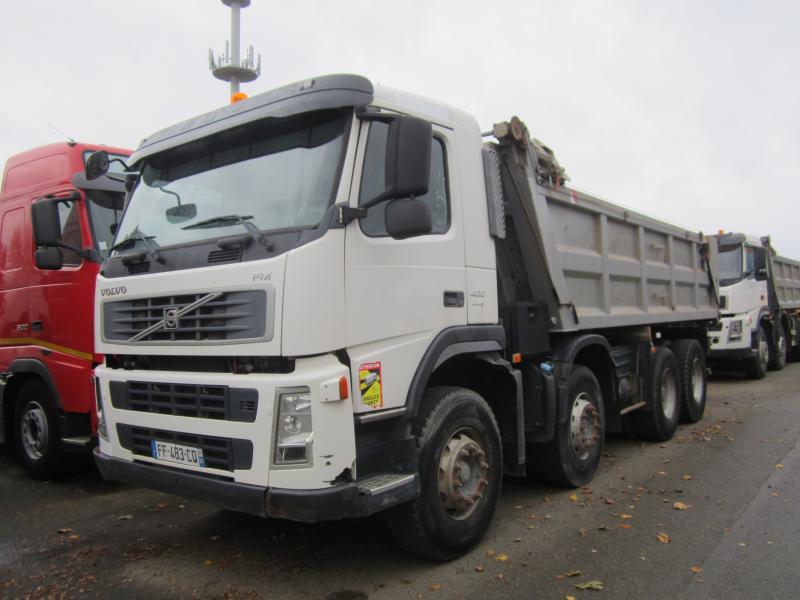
(460, 470)
(777, 349)
(36, 430)
(571, 458)
(757, 365)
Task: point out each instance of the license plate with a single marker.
(175, 453)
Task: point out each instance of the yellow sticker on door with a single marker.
(370, 382)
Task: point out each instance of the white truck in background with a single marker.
(759, 297)
(335, 298)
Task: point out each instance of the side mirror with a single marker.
(49, 259)
(181, 213)
(761, 274)
(408, 159)
(407, 218)
(46, 223)
(97, 164)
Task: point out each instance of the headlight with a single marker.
(735, 331)
(294, 431)
(101, 422)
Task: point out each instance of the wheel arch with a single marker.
(592, 351)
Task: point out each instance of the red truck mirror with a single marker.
(97, 165)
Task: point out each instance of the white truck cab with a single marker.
(757, 326)
(336, 298)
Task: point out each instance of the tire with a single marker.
(571, 458)
(36, 431)
(777, 349)
(756, 366)
(458, 493)
(657, 421)
(693, 379)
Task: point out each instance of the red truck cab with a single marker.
(46, 314)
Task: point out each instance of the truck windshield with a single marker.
(105, 211)
(730, 266)
(280, 173)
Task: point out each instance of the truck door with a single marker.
(61, 310)
(400, 293)
(15, 240)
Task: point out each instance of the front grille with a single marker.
(217, 317)
(186, 400)
(225, 454)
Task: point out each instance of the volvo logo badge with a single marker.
(171, 317)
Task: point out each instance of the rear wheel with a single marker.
(570, 459)
(657, 421)
(37, 435)
(460, 470)
(777, 349)
(693, 379)
(757, 365)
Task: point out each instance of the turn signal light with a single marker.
(344, 391)
(238, 97)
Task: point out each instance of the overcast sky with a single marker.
(686, 110)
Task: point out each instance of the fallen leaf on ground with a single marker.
(594, 584)
(776, 494)
(573, 574)
(63, 530)
(568, 597)
(696, 570)
(624, 525)
(626, 516)
(609, 501)
(208, 562)
(74, 537)
(680, 506)
(573, 497)
(663, 538)
(661, 473)
(502, 557)
(435, 587)
(124, 517)
(779, 466)
(517, 539)
(686, 477)
(480, 568)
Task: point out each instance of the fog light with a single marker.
(294, 431)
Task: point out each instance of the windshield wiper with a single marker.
(138, 236)
(243, 220)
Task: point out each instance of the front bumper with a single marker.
(343, 501)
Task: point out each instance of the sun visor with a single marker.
(320, 93)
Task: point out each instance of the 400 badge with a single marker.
(370, 383)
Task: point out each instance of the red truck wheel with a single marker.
(37, 434)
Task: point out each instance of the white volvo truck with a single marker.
(335, 298)
(759, 295)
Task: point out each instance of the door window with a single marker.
(373, 182)
(70, 231)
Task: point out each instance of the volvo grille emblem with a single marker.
(171, 317)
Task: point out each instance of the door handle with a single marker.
(453, 299)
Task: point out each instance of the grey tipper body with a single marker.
(613, 267)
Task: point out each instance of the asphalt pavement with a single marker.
(711, 514)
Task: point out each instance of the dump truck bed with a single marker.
(787, 281)
(607, 266)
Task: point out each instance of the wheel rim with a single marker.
(697, 382)
(463, 474)
(584, 426)
(669, 393)
(34, 431)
